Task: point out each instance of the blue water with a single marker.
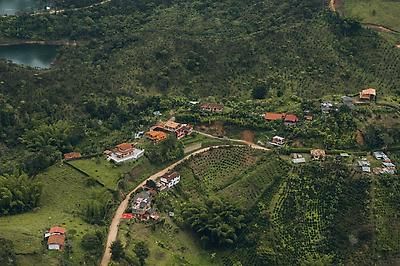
(38, 56)
(11, 7)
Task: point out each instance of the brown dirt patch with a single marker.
(360, 138)
(247, 135)
(215, 128)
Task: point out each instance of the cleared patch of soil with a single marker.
(247, 135)
(360, 138)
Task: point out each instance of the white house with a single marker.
(277, 140)
(124, 152)
(170, 179)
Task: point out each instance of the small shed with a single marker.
(318, 154)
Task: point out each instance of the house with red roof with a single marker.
(72, 156)
(289, 119)
(368, 94)
(56, 242)
(124, 152)
(180, 130)
(274, 116)
(55, 238)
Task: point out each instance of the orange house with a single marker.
(156, 136)
(368, 94)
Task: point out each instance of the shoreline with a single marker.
(42, 42)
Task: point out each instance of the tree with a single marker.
(142, 252)
(216, 222)
(7, 253)
(93, 242)
(373, 137)
(117, 250)
(18, 194)
(169, 150)
(259, 92)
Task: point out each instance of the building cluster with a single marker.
(124, 152)
(55, 238)
(141, 204)
(387, 167)
(160, 131)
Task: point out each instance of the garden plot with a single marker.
(255, 181)
(303, 211)
(221, 167)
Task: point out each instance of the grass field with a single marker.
(383, 12)
(168, 244)
(64, 191)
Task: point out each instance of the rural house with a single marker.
(274, 116)
(72, 156)
(156, 136)
(298, 160)
(291, 119)
(348, 101)
(368, 95)
(124, 152)
(365, 166)
(170, 179)
(278, 141)
(317, 154)
(55, 238)
(180, 130)
(326, 107)
(141, 204)
(212, 107)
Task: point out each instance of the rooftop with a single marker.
(274, 116)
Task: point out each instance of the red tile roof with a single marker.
(72, 155)
(56, 240)
(124, 146)
(273, 116)
(57, 229)
(291, 118)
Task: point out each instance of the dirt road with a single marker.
(254, 146)
(113, 230)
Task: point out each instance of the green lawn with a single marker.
(64, 191)
(374, 11)
(106, 172)
(168, 244)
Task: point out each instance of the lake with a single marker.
(10, 7)
(34, 55)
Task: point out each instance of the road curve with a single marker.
(113, 229)
(252, 145)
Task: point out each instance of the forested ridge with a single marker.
(132, 52)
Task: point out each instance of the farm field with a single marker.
(168, 244)
(64, 191)
(382, 12)
(108, 173)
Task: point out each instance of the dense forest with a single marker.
(132, 54)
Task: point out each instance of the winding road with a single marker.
(114, 226)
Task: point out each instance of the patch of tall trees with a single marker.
(217, 223)
(168, 150)
(18, 194)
